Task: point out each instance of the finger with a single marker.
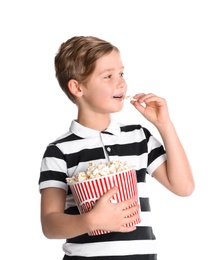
(154, 100)
(125, 229)
(129, 221)
(137, 98)
(132, 212)
(148, 98)
(138, 105)
(128, 203)
(142, 96)
(139, 95)
(110, 193)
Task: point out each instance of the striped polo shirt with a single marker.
(71, 154)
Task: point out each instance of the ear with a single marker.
(75, 88)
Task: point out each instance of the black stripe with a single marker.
(54, 151)
(85, 155)
(147, 134)
(135, 148)
(130, 128)
(52, 175)
(139, 234)
(155, 153)
(72, 211)
(124, 257)
(141, 175)
(144, 204)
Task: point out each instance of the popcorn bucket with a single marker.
(86, 193)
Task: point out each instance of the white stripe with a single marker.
(77, 145)
(53, 164)
(112, 248)
(54, 184)
(146, 219)
(70, 202)
(143, 190)
(153, 143)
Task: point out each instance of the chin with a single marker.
(117, 110)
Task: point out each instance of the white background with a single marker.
(171, 48)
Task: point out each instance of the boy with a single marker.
(90, 72)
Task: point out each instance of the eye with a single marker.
(108, 76)
(122, 74)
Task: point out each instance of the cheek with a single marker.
(98, 97)
(104, 93)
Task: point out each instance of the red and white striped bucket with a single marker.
(86, 193)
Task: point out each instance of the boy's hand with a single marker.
(113, 216)
(152, 107)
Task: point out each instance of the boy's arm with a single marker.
(105, 215)
(175, 174)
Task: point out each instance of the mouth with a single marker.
(118, 96)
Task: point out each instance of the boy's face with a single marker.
(106, 88)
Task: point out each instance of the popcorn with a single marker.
(98, 170)
(130, 98)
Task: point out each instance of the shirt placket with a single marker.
(104, 148)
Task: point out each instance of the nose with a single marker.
(121, 83)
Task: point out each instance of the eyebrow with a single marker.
(109, 70)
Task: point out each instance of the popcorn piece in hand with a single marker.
(130, 98)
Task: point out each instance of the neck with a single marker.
(96, 122)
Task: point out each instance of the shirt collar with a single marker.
(85, 132)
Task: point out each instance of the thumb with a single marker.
(110, 193)
(138, 106)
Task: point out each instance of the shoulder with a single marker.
(53, 148)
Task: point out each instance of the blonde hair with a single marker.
(76, 59)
